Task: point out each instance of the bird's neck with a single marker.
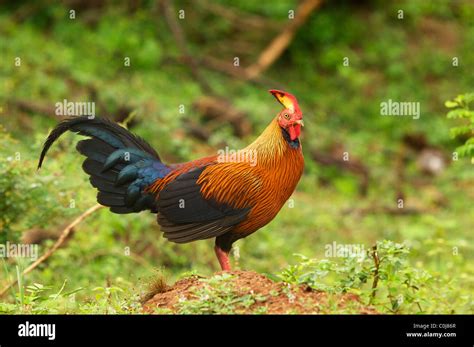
(272, 146)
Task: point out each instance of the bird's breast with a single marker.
(279, 182)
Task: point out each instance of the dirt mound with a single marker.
(247, 292)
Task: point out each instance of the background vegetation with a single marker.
(109, 262)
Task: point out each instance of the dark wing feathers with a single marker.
(185, 215)
(106, 186)
(94, 148)
(110, 199)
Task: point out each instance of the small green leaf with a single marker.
(451, 104)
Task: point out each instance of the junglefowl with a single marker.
(212, 197)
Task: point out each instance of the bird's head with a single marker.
(291, 117)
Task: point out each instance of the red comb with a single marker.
(280, 95)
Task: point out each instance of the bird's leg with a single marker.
(223, 258)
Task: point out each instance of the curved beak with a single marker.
(300, 122)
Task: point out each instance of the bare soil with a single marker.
(275, 297)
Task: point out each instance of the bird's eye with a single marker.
(286, 115)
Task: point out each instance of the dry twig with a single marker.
(62, 238)
(375, 256)
(283, 40)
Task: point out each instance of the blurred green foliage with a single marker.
(27, 201)
(105, 267)
(461, 110)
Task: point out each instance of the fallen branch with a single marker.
(227, 67)
(239, 18)
(283, 40)
(46, 109)
(62, 238)
(29, 106)
(197, 131)
(221, 110)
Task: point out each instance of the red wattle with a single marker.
(294, 131)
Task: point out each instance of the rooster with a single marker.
(213, 197)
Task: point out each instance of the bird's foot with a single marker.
(223, 258)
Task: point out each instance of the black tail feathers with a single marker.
(120, 164)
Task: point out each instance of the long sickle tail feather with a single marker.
(120, 164)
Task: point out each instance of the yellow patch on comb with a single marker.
(285, 99)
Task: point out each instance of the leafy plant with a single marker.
(382, 278)
(460, 109)
(14, 201)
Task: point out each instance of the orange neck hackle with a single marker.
(270, 147)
